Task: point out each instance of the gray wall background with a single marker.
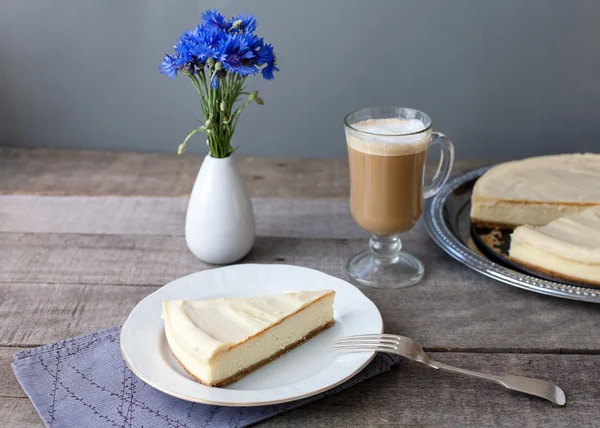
(502, 78)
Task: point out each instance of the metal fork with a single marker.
(412, 350)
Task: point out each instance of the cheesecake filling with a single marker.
(217, 339)
(568, 247)
(495, 212)
(574, 237)
(261, 347)
(536, 190)
(569, 269)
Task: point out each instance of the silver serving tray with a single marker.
(449, 224)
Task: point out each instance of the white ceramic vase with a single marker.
(219, 224)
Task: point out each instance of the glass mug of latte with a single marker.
(387, 148)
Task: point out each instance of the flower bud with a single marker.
(181, 148)
(219, 66)
(236, 24)
(207, 124)
(259, 101)
(221, 73)
(252, 96)
(210, 62)
(222, 106)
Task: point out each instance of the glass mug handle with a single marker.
(445, 166)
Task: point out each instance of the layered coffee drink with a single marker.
(387, 147)
(387, 160)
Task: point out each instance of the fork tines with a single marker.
(367, 342)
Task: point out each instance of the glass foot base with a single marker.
(369, 270)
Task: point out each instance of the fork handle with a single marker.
(537, 387)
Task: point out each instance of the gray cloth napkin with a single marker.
(84, 382)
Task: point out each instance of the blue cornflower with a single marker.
(183, 50)
(236, 55)
(212, 18)
(247, 23)
(229, 43)
(208, 44)
(222, 52)
(169, 66)
(268, 71)
(182, 47)
(186, 47)
(183, 64)
(188, 39)
(264, 53)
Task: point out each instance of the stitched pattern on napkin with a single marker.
(85, 382)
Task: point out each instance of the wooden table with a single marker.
(85, 235)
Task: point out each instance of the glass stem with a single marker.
(385, 248)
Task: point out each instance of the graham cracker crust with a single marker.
(479, 198)
(253, 367)
(558, 275)
(492, 239)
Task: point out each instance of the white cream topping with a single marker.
(569, 178)
(387, 137)
(573, 237)
(205, 327)
(392, 126)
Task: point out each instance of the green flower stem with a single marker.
(183, 145)
(196, 84)
(220, 109)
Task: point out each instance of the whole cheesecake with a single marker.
(568, 247)
(536, 191)
(219, 341)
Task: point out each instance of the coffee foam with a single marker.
(387, 142)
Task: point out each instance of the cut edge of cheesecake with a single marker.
(237, 376)
(223, 354)
(509, 214)
(566, 248)
(495, 204)
(558, 275)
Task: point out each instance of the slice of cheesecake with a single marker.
(219, 341)
(568, 248)
(536, 191)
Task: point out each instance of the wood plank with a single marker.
(154, 260)
(309, 218)
(34, 314)
(415, 396)
(75, 284)
(75, 172)
(9, 386)
(19, 412)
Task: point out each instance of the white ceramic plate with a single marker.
(306, 370)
